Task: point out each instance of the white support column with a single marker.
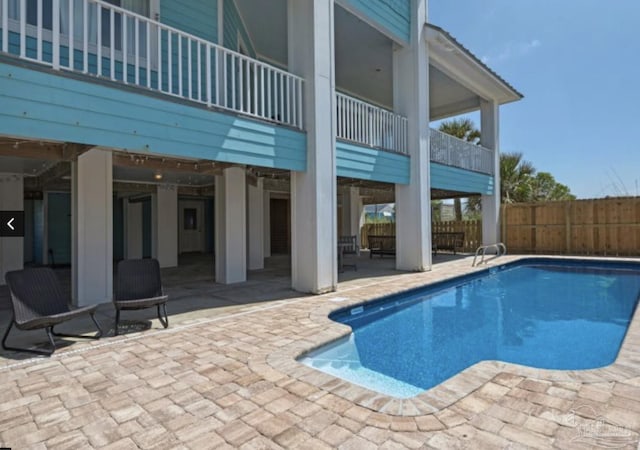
(313, 192)
(490, 132)
(355, 211)
(11, 199)
(343, 211)
(267, 224)
(351, 212)
(255, 225)
(166, 212)
(231, 226)
(411, 99)
(92, 228)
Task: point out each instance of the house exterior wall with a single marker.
(455, 179)
(40, 105)
(366, 163)
(198, 17)
(234, 27)
(391, 16)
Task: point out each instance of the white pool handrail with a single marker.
(499, 246)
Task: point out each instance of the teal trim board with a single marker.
(393, 16)
(366, 163)
(455, 179)
(43, 104)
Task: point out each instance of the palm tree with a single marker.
(466, 130)
(516, 176)
(463, 129)
(516, 182)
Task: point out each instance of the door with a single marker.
(280, 218)
(58, 228)
(134, 230)
(191, 226)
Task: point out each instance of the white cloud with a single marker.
(512, 50)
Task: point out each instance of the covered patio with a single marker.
(194, 296)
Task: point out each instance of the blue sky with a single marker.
(577, 62)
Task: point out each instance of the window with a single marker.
(190, 219)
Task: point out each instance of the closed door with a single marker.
(134, 230)
(280, 231)
(191, 227)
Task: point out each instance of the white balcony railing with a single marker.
(97, 38)
(449, 150)
(363, 123)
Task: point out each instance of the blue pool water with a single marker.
(539, 312)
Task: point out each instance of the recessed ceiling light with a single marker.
(157, 176)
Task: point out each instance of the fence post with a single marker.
(503, 220)
(567, 222)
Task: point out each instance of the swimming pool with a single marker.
(543, 313)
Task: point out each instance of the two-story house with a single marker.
(133, 128)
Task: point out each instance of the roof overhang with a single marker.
(454, 60)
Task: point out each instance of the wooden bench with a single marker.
(381, 245)
(447, 241)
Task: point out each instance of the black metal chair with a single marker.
(38, 302)
(138, 286)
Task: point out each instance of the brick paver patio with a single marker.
(231, 380)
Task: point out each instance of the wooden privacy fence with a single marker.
(608, 227)
(472, 230)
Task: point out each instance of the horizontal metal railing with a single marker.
(100, 39)
(451, 151)
(367, 124)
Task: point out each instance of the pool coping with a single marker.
(434, 400)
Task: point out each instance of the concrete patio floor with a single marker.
(224, 375)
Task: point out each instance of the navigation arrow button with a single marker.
(11, 223)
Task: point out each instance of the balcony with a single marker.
(95, 38)
(371, 126)
(363, 123)
(454, 152)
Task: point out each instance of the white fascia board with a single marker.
(453, 60)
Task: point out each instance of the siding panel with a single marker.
(41, 105)
(394, 16)
(454, 179)
(366, 163)
(198, 17)
(233, 26)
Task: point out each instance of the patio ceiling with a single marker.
(458, 80)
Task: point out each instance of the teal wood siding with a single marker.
(394, 16)
(233, 26)
(367, 163)
(42, 105)
(197, 17)
(455, 179)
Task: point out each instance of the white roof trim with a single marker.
(451, 58)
